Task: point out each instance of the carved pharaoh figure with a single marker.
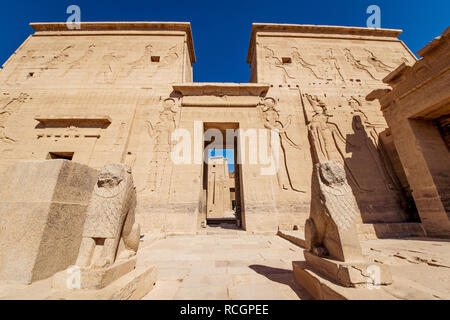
(330, 230)
(110, 232)
(161, 134)
(327, 139)
(288, 149)
(323, 132)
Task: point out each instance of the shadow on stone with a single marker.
(282, 276)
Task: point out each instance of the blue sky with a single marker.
(221, 29)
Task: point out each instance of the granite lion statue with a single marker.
(110, 232)
(330, 230)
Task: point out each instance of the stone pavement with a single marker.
(420, 267)
(233, 265)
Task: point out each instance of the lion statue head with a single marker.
(110, 178)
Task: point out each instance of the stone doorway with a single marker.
(221, 175)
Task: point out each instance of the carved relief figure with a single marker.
(366, 136)
(82, 61)
(29, 59)
(327, 139)
(357, 64)
(373, 130)
(169, 59)
(13, 105)
(379, 65)
(143, 62)
(332, 68)
(289, 149)
(276, 62)
(299, 60)
(323, 132)
(161, 134)
(330, 230)
(60, 58)
(110, 232)
(109, 69)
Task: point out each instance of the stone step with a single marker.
(390, 230)
(369, 231)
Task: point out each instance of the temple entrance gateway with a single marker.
(221, 173)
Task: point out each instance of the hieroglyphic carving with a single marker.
(161, 135)
(13, 105)
(110, 232)
(357, 64)
(288, 147)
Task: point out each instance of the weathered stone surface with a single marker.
(132, 286)
(110, 234)
(331, 229)
(93, 278)
(417, 111)
(42, 212)
(82, 94)
(333, 248)
(306, 143)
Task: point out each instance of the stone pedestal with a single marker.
(349, 274)
(322, 288)
(131, 286)
(42, 211)
(327, 279)
(89, 278)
